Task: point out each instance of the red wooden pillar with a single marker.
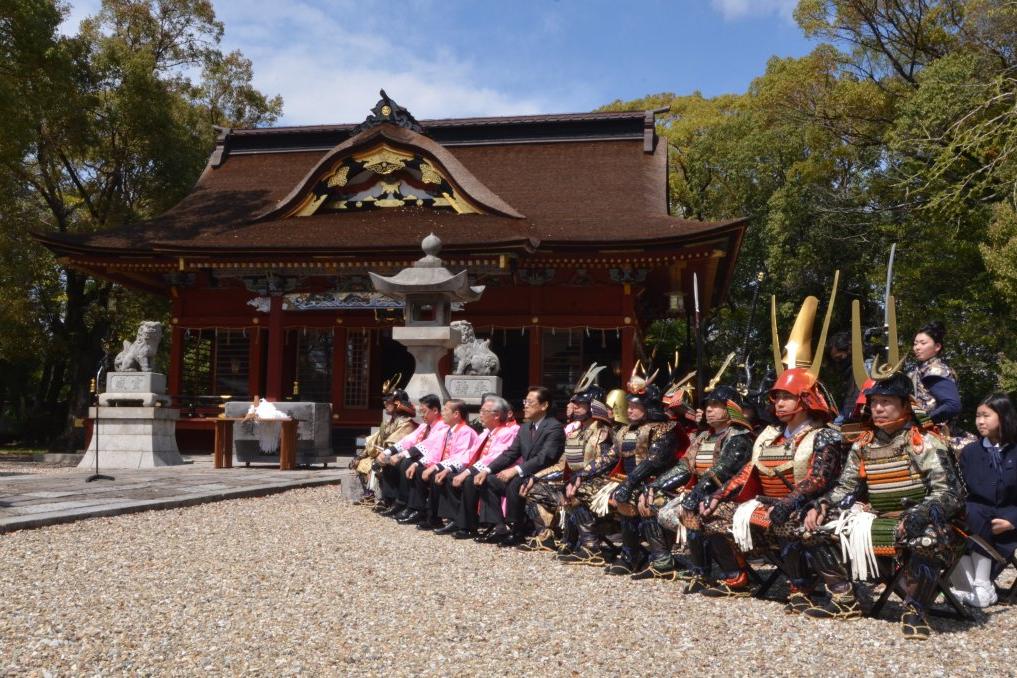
(276, 349)
(176, 366)
(536, 356)
(254, 376)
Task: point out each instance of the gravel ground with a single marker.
(303, 583)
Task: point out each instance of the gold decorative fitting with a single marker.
(386, 110)
(339, 177)
(720, 373)
(429, 175)
(174, 321)
(255, 320)
(628, 320)
(534, 320)
(798, 350)
(894, 362)
(638, 381)
(384, 161)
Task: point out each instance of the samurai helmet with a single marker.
(389, 386)
(402, 401)
(732, 400)
(801, 378)
(679, 393)
(616, 402)
(865, 376)
(587, 389)
(642, 391)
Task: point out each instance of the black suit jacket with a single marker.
(538, 451)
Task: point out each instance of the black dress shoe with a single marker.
(392, 510)
(492, 537)
(410, 517)
(464, 534)
(403, 513)
(451, 528)
(428, 525)
(514, 539)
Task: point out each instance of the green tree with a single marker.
(101, 130)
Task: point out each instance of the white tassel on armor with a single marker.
(854, 529)
(741, 527)
(563, 519)
(373, 484)
(599, 504)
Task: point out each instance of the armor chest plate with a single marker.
(783, 463)
(575, 449)
(890, 476)
(706, 454)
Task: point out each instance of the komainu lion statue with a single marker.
(137, 356)
(473, 356)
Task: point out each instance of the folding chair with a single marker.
(955, 609)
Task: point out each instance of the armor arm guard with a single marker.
(602, 464)
(734, 455)
(554, 472)
(946, 491)
(675, 477)
(660, 452)
(824, 467)
(850, 479)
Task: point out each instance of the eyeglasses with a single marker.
(531, 401)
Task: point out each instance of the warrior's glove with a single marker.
(915, 521)
(780, 512)
(623, 493)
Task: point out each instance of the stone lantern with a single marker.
(428, 289)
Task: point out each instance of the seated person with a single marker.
(427, 438)
(460, 438)
(539, 444)
(906, 477)
(457, 495)
(791, 465)
(397, 423)
(989, 468)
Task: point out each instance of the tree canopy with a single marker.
(897, 128)
(97, 130)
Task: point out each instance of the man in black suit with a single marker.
(540, 443)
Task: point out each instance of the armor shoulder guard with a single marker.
(937, 368)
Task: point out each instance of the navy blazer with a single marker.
(538, 452)
(991, 494)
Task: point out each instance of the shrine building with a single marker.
(564, 219)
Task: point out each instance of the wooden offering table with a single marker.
(223, 447)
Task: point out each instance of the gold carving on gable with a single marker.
(339, 177)
(383, 177)
(429, 175)
(384, 161)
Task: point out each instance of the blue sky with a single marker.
(454, 58)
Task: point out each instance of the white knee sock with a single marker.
(984, 588)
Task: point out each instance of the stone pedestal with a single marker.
(133, 437)
(146, 389)
(470, 387)
(427, 345)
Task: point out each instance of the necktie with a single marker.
(444, 449)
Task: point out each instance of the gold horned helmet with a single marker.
(798, 349)
(638, 381)
(680, 391)
(389, 386)
(894, 361)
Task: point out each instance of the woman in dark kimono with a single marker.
(989, 467)
(936, 384)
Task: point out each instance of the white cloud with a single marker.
(733, 10)
(328, 59)
(328, 63)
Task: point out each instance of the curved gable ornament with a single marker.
(389, 165)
